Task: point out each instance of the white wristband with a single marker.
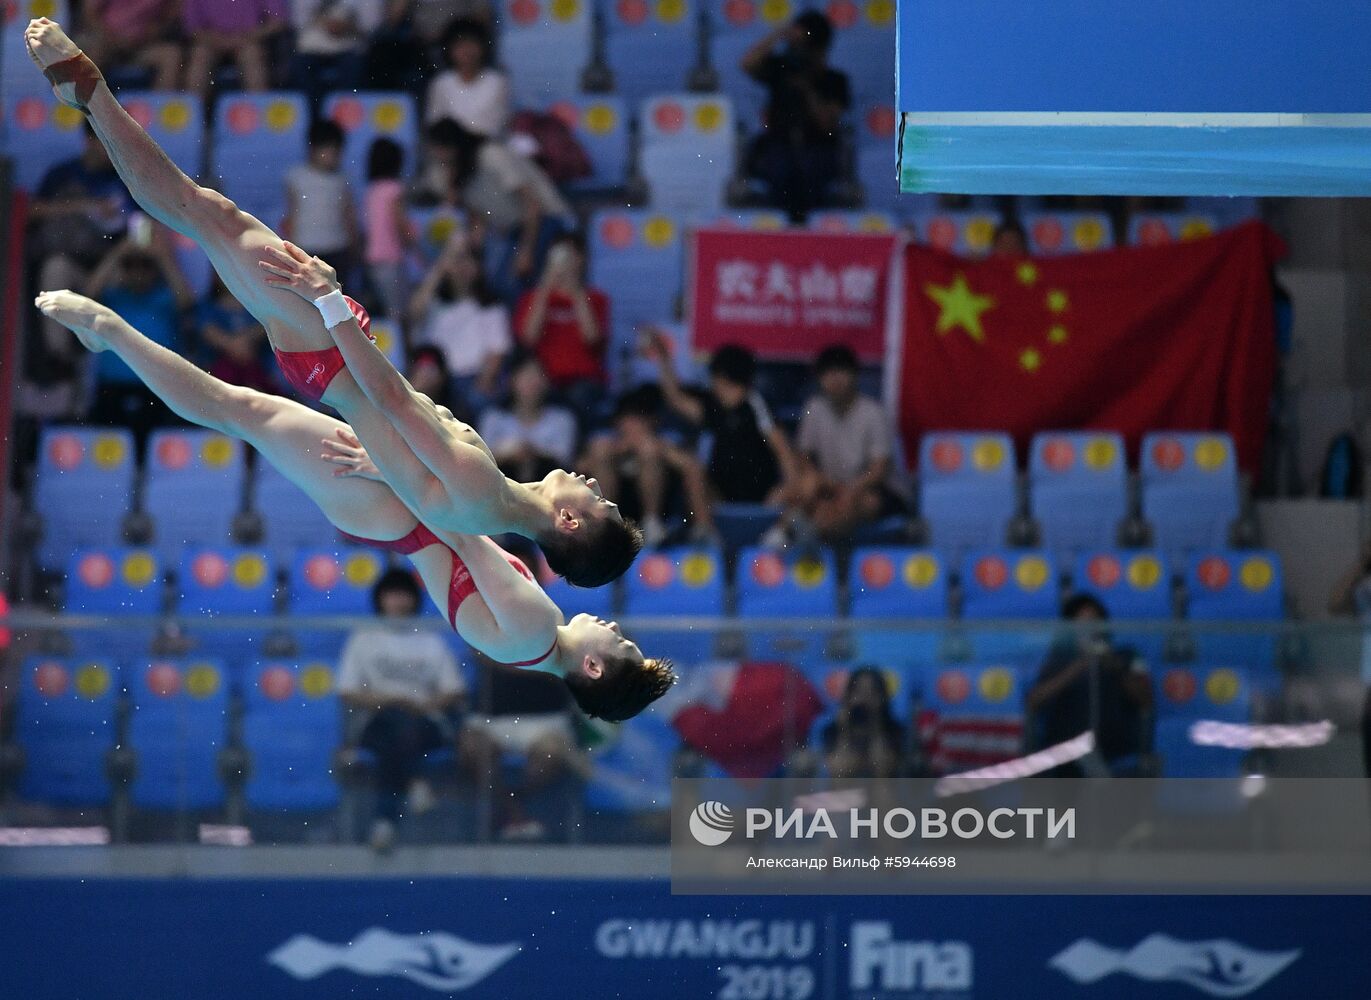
(334, 308)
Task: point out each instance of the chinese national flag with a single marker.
(1177, 337)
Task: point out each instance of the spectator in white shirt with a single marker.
(321, 217)
(528, 437)
(329, 36)
(407, 683)
(471, 92)
(453, 310)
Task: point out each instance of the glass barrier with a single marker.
(247, 730)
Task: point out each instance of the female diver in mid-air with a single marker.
(489, 596)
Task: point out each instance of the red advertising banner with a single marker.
(788, 295)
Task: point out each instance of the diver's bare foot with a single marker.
(89, 320)
(48, 45)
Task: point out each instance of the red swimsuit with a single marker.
(461, 585)
(310, 372)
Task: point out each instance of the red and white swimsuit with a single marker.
(310, 372)
(460, 585)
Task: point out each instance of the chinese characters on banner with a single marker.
(788, 294)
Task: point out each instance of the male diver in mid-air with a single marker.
(455, 486)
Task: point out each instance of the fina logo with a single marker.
(442, 962)
(711, 823)
(1217, 967)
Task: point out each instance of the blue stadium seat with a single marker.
(967, 232)
(433, 227)
(81, 473)
(773, 584)
(227, 581)
(1189, 490)
(178, 725)
(686, 151)
(632, 773)
(1130, 585)
(18, 77)
(636, 257)
(292, 725)
(66, 727)
(976, 711)
(967, 492)
(651, 45)
(194, 489)
(1053, 233)
(676, 582)
(1185, 696)
(389, 341)
(331, 581)
(366, 116)
(839, 221)
(254, 138)
(1078, 490)
(544, 44)
(889, 582)
(1010, 584)
(734, 27)
(290, 520)
(175, 121)
(1225, 211)
(757, 220)
(628, 368)
(113, 582)
(1237, 587)
(1150, 229)
(39, 132)
(597, 601)
(600, 124)
(864, 46)
(875, 129)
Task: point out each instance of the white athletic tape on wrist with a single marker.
(333, 308)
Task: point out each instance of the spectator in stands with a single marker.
(329, 38)
(1009, 240)
(649, 477)
(321, 217)
(798, 152)
(470, 91)
(239, 31)
(1352, 596)
(1087, 682)
(140, 280)
(864, 740)
(845, 453)
(389, 230)
(751, 460)
(78, 210)
(142, 33)
(411, 31)
(513, 208)
(454, 311)
(405, 683)
(236, 341)
(525, 715)
(529, 437)
(565, 323)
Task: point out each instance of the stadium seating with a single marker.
(597, 601)
(876, 168)
(1078, 490)
(1150, 229)
(676, 582)
(1226, 586)
(545, 45)
(1009, 584)
(292, 724)
(39, 133)
(773, 584)
(290, 520)
(600, 124)
(82, 473)
(178, 725)
(1130, 585)
(966, 232)
(66, 727)
(1189, 490)
(18, 78)
(632, 771)
(734, 26)
(686, 151)
(255, 137)
(1185, 696)
(838, 221)
(225, 581)
(433, 227)
(761, 220)
(176, 123)
(1054, 233)
(967, 492)
(651, 45)
(331, 581)
(389, 341)
(637, 253)
(971, 715)
(890, 582)
(864, 46)
(113, 582)
(366, 116)
(194, 489)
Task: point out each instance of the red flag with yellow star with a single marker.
(1178, 337)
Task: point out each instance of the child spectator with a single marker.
(320, 216)
(751, 460)
(329, 35)
(529, 437)
(470, 92)
(143, 33)
(650, 477)
(388, 228)
(239, 31)
(236, 341)
(453, 310)
(566, 324)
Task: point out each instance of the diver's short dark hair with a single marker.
(626, 687)
(599, 553)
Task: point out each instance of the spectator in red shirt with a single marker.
(566, 324)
